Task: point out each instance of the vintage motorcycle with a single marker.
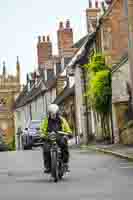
(58, 169)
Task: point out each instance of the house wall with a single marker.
(80, 107)
(39, 108)
(120, 99)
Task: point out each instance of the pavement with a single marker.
(119, 150)
(93, 176)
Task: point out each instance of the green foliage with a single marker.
(97, 64)
(100, 91)
(99, 85)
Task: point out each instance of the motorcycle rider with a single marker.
(55, 122)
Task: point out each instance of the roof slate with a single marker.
(64, 94)
(28, 96)
(82, 52)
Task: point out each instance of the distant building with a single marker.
(9, 90)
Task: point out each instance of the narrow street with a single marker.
(93, 176)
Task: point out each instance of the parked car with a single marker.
(31, 135)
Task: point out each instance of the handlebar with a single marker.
(60, 133)
(64, 134)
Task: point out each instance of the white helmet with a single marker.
(53, 108)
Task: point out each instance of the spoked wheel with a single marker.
(54, 166)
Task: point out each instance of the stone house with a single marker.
(114, 44)
(112, 40)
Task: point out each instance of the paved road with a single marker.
(93, 176)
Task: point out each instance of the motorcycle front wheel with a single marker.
(54, 166)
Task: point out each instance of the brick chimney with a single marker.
(65, 37)
(92, 16)
(44, 50)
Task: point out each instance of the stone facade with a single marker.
(120, 97)
(9, 90)
(120, 78)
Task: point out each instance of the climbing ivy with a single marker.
(99, 90)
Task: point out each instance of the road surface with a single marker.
(93, 176)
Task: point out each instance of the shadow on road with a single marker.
(45, 180)
(33, 177)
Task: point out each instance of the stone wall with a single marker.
(120, 98)
(120, 77)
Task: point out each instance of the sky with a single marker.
(22, 21)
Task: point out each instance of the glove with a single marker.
(66, 137)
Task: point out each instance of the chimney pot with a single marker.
(68, 24)
(48, 38)
(61, 25)
(39, 39)
(96, 3)
(43, 38)
(90, 3)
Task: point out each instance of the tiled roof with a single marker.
(64, 94)
(83, 51)
(20, 97)
(28, 96)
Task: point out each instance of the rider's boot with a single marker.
(66, 167)
(47, 170)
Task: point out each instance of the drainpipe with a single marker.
(130, 42)
(30, 113)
